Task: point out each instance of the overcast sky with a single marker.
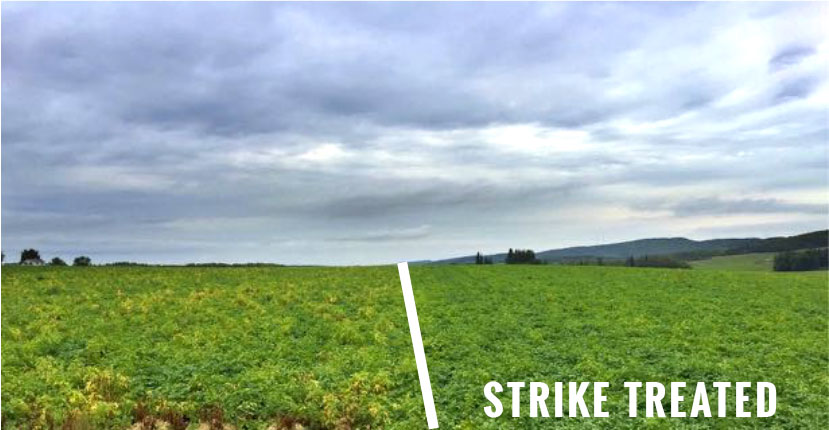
(375, 133)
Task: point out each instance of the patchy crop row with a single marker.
(325, 346)
(328, 348)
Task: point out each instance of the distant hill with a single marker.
(815, 239)
(678, 247)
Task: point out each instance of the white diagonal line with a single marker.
(417, 345)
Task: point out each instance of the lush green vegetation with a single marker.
(760, 261)
(103, 347)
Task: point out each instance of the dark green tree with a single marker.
(521, 256)
(82, 261)
(810, 259)
(29, 254)
(57, 261)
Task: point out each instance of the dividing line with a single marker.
(417, 345)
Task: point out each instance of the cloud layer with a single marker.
(371, 133)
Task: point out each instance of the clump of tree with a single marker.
(126, 264)
(57, 261)
(590, 261)
(656, 261)
(482, 259)
(796, 261)
(521, 256)
(214, 264)
(82, 261)
(29, 254)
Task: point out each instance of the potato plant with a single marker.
(329, 348)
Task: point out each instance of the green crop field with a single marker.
(759, 261)
(329, 348)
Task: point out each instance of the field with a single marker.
(329, 348)
(759, 261)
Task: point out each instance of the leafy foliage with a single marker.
(329, 348)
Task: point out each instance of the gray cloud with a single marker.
(387, 235)
(335, 132)
(797, 88)
(717, 206)
(790, 55)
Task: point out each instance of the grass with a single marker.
(329, 348)
(760, 261)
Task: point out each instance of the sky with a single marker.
(377, 133)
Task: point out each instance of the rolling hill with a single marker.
(679, 247)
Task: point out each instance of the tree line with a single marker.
(521, 256)
(481, 259)
(795, 261)
(527, 256)
(656, 261)
(514, 256)
(34, 255)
